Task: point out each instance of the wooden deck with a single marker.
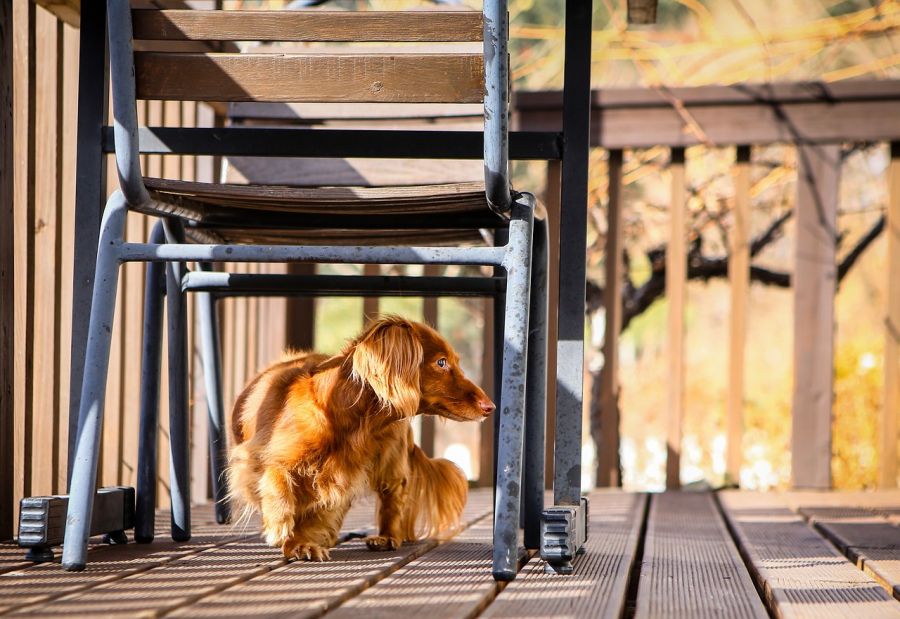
(732, 554)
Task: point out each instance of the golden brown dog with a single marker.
(311, 430)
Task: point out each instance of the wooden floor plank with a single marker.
(40, 588)
(691, 568)
(105, 562)
(302, 589)
(453, 580)
(156, 587)
(801, 574)
(865, 536)
(600, 582)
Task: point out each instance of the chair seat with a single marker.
(275, 214)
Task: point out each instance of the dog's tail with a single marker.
(437, 495)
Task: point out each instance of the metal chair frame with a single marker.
(515, 258)
(211, 286)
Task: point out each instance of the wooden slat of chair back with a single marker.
(347, 26)
(310, 77)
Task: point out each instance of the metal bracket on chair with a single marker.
(564, 530)
(42, 520)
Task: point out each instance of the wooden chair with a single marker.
(228, 223)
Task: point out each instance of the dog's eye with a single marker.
(442, 363)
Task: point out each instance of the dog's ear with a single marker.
(388, 358)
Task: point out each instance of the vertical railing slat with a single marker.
(676, 285)
(486, 429)
(608, 453)
(7, 268)
(887, 477)
(430, 314)
(68, 93)
(44, 246)
(552, 205)
(370, 304)
(739, 285)
(89, 194)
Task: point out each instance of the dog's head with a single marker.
(412, 369)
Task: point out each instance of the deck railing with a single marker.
(815, 118)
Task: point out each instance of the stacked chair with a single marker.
(206, 223)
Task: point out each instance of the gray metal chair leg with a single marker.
(536, 390)
(151, 361)
(179, 418)
(517, 263)
(93, 386)
(211, 356)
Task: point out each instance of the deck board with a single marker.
(687, 564)
(49, 587)
(865, 535)
(598, 586)
(302, 589)
(34, 584)
(691, 568)
(801, 574)
(453, 580)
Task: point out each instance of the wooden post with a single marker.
(370, 304)
(608, 454)
(739, 282)
(430, 314)
(7, 274)
(818, 180)
(300, 313)
(552, 204)
(676, 283)
(887, 475)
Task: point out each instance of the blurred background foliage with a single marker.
(694, 43)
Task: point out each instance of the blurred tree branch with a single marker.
(636, 299)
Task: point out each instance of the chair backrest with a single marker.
(312, 76)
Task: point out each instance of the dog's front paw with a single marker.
(305, 551)
(383, 542)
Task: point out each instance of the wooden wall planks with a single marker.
(36, 304)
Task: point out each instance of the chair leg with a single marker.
(512, 413)
(179, 426)
(536, 390)
(151, 360)
(211, 357)
(93, 387)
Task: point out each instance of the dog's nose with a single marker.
(486, 406)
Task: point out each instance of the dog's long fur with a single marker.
(311, 431)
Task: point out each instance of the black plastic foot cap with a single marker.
(39, 554)
(115, 537)
(564, 569)
(504, 575)
(73, 567)
(181, 536)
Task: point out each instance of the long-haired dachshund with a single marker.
(311, 430)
